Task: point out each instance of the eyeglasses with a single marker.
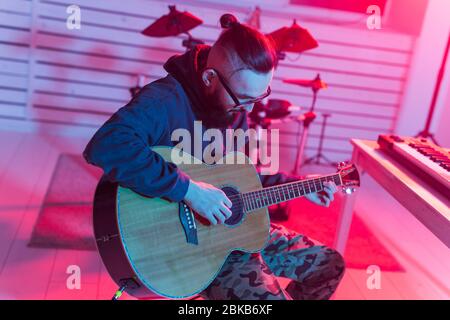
(239, 105)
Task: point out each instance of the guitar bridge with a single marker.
(188, 223)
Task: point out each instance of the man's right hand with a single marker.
(208, 201)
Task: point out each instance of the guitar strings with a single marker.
(282, 188)
(254, 195)
(252, 200)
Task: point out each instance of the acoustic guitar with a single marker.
(154, 247)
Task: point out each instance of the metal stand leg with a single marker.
(307, 119)
(316, 158)
(345, 218)
(300, 150)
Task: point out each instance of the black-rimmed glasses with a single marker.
(239, 105)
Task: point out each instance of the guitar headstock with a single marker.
(349, 176)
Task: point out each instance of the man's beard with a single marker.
(216, 115)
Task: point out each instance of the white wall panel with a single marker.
(80, 77)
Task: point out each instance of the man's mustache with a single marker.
(238, 109)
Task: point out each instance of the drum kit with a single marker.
(294, 39)
(173, 24)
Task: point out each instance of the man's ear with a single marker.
(207, 76)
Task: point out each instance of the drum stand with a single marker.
(316, 158)
(307, 118)
(425, 133)
(258, 124)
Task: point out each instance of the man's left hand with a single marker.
(323, 198)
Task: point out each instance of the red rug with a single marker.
(319, 223)
(65, 220)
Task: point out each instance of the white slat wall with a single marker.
(79, 77)
(15, 30)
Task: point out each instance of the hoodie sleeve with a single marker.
(121, 147)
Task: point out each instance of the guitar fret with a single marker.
(280, 193)
(257, 201)
(263, 198)
(296, 191)
(272, 195)
(336, 180)
(266, 198)
(267, 195)
(277, 194)
(306, 187)
(250, 200)
(317, 186)
(311, 183)
(291, 191)
(254, 201)
(246, 203)
(300, 189)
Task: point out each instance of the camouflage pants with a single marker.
(315, 271)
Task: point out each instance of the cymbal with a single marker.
(254, 19)
(293, 39)
(315, 84)
(172, 24)
(274, 109)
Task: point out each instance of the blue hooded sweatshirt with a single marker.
(121, 146)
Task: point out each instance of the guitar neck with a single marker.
(284, 192)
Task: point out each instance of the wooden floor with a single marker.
(27, 162)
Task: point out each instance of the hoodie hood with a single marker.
(186, 69)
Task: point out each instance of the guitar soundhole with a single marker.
(237, 208)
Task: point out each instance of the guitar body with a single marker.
(143, 239)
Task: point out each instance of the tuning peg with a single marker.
(348, 190)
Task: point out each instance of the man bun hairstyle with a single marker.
(254, 49)
(228, 20)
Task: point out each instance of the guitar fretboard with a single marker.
(272, 195)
